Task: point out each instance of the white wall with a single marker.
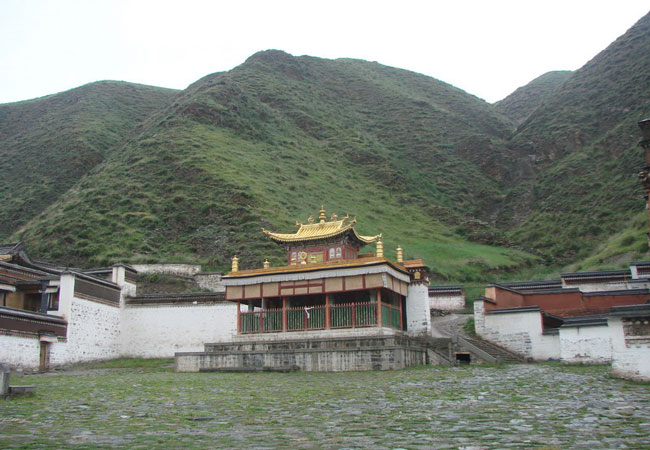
(519, 332)
(161, 331)
(20, 352)
(631, 359)
(93, 333)
(186, 270)
(590, 345)
(417, 309)
(210, 281)
(447, 303)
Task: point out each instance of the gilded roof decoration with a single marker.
(322, 229)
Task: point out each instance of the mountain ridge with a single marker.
(440, 172)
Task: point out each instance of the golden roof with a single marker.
(322, 230)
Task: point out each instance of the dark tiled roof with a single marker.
(526, 285)
(631, 310)
(515, 310)
(446, 289)
(605, 274)
(584, 321)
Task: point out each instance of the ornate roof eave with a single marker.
(320, 231)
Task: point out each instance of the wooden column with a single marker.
(328, 319)
(379, 324)
(284, 314)
(238, 316)
(401, 323)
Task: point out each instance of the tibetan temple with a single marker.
(327, 292)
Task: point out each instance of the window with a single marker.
(338, 252)
(331, 253)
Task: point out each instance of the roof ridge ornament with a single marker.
(322, 217)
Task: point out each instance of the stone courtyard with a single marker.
(545, 406)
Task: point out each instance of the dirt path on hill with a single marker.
(449, 325)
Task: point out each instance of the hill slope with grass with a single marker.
(519, 105)
(49, 143)
(577, 157)
(265, 145)
(440, 172)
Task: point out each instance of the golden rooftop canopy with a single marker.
(322, 230)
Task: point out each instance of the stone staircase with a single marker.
(487, 351)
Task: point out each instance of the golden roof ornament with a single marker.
(400, 255)
(334, 217)
(235, 264)
(310, 219)
(380, 248)
(322, 217)
(267, 264)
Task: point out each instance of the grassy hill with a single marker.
(577, 157)
(519, 105)
(195, 175)
(265, 145)
(48, 144)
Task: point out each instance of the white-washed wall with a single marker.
(186, 270)
(519, 332)
(417, 310)
(210, 281)
(447, 303)
(629, 360)
(599, 287)
(93, 333)
(588, 345)
(160, 331)
(19, 352)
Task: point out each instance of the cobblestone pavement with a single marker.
(472, 408)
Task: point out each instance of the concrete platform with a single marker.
(318, 354)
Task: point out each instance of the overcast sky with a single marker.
(487, 48)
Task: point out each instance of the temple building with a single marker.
(327, 290)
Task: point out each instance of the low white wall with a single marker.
(182, 269)
(417, 310)
(210, 281)
(629, 359)
(20, 352)
(93, 334)
(519, 332)
(160, 331)
(587, 345)
(447, 303)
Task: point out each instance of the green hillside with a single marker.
(577, 157)
(47, 144)
(519, 105)
(145, 174)
(265, 145)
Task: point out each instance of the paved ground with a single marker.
(478, 407)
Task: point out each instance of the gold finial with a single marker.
(380, 248)
(267, 264)
(310, 219)
(400, 255)
(235, 264)
(322, 217)
(334, 217)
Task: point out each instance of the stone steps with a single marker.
(499, 354)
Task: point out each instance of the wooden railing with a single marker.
(348, 315)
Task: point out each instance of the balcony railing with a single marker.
(349, 315)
